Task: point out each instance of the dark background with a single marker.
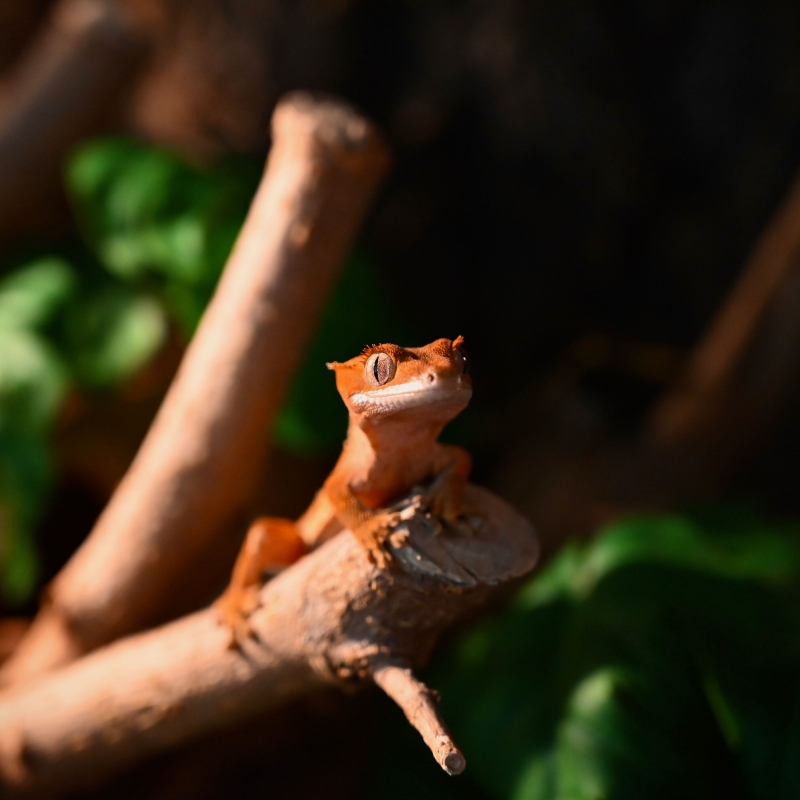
(576, 187)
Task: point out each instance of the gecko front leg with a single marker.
(443, 497)
(373, 534)
(370, 526)
(270, 543)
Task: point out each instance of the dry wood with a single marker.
(706, 385)
(194, 475)
(65, 88)
(736, 383)
(421, 707)
(334, 617)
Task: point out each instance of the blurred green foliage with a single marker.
(662, 660)
(157, 232)
(33, 381)
(159, 224)
(57, 330)
(156, 222)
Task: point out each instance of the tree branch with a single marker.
(330, 619)
(194, 475)
(706, 385)
(63, 89)
(705, 428)
(421, 707)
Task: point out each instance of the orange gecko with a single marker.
(399, 399)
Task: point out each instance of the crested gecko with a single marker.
(399, 399)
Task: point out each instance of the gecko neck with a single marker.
(392, 440)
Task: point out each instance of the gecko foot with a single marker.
(373, 535)
(233, 610)
(378, 555)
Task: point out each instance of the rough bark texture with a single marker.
(194, 474)
(333, 617)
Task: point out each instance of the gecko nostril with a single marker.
(431, 377)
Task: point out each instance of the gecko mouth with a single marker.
(412, 394)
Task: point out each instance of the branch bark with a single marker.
(63, 90)
(332, 618)
(701, 433)
(194, 475)
(421, 707)
(708, 382)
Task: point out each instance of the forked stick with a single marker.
(195, 472)
(332, 618)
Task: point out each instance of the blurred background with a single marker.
(579, 188)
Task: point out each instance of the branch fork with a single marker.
(331, 617)
(88, 695)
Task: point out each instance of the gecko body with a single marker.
(399, 399)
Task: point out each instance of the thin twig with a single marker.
(421, 707)
(195, 473)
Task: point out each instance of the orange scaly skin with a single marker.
(399, 399)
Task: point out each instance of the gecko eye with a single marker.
(380, 369)
(461, 359)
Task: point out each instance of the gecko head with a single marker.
(386, 381)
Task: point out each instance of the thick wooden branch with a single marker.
(332, 618)
(194, 475)
(65, 88)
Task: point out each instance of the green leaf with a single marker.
(122, 184)
(19, 562)
(33, 381)
(30, 296)
(673, 540)
(112, 334)
(176, 248)
(26, 472)
(154, 219)
(660, 660)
